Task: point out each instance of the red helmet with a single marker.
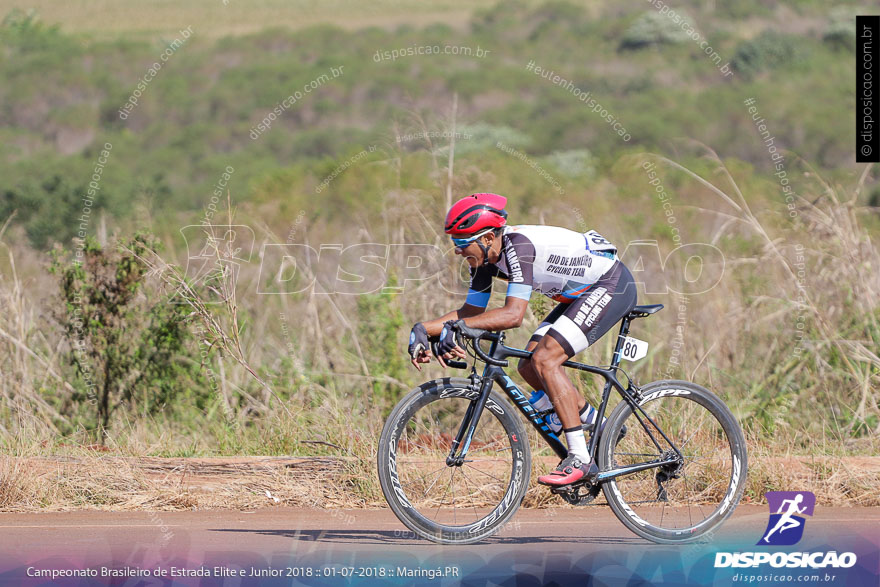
(476, 213)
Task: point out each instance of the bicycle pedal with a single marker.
(560, 489)
(564, 489)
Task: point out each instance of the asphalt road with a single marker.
(317, 539)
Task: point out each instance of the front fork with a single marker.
(469, 425)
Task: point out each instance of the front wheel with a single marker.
(690, 497)
(452, 504)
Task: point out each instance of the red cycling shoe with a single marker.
(570, 470)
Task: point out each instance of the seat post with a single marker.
(624, 331)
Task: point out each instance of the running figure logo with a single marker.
(786, 525)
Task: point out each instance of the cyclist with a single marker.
(581, 271)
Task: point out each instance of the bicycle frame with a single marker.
(495, 373)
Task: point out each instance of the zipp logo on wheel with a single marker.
(786, 525)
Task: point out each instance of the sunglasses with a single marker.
(461, 243)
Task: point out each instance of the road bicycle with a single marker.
(454, 460)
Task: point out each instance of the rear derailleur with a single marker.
(668, 472)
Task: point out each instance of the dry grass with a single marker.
(836, 481)
(806, 340)
(125, 483)
(92, 481)
(307, 354)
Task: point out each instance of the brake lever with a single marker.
(449, 363)
(475, 335)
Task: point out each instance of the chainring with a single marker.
(572, 493)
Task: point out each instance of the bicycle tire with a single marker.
(498, 414)
(680, 395)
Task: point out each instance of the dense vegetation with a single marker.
(62, 96)
(363, 157)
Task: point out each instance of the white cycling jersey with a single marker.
(560, 263)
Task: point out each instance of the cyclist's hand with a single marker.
(447, 339)
(447, 347)
(418, 345)
(456, 353)
(422, 357)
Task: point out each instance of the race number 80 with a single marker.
(633, 349)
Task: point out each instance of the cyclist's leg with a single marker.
(547, 363)
(577, 466)
(589, 317)
(525, 367)
(527, 371)
(581, 324)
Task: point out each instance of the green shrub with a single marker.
(49, 209)
(653, 28)
(480, 137)
(767, 51)
(841, 29)
(380, 323)
(128, 343)
(24, 33)
(576, 163)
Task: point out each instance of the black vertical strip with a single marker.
(867, 89)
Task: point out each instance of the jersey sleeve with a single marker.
(480, 289)
(520, 254)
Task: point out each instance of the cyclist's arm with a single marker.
(435, 326)
(510, 315)
(466, 311)
(479, 292)
(520, 254)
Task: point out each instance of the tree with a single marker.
(128, 344)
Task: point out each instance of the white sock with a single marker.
(577, 444)
(588, 414)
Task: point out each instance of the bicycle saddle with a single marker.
(642, 311)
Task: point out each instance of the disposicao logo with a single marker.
(786, 527)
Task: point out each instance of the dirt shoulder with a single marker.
(114, 483)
